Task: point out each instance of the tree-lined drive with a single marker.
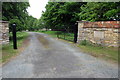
(40, 55)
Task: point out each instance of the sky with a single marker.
(36, 7)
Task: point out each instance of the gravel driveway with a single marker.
(47, 57)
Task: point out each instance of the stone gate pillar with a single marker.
(81, 35)
(4, 32)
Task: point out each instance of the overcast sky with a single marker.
(36, 7)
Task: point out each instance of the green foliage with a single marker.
(18, 24)
(111, 13)
(32, 24)
(100, 11)
(61, 15)
(15, 12)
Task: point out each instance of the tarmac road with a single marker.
(47, 57)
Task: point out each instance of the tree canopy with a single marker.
(16, 12)
(59, 15)
(63, 15)
(100, 11)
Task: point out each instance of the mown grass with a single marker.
(59, 34)
(8, 51)
(52, 33)
(107, 53)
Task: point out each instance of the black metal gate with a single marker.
(69, 34)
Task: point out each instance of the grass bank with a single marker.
(107, 53)
(8, 51)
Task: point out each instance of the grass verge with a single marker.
(107, 53)
(8, 51)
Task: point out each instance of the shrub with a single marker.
(85, 42)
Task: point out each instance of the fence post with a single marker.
(57, 34)
(75, 32)
(64, 34)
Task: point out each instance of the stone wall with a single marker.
(4, 32)
(105, 33)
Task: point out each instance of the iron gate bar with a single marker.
(71, 36)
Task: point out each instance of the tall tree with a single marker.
(61, 15)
